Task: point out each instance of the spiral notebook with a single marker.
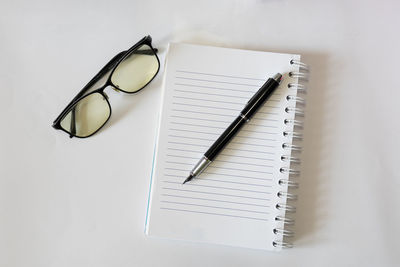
(242, 198)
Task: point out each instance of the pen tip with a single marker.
(190, 177)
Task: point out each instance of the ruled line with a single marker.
(208, 100)
(246, 157)
(222, 174)
(217, 114)
(202, 93)
(216, 200)
(244, 163)
(184, 150)
(204, 113)
(212, 207)
(260, 132)
(234, 169)
(238, 176)
(229, 148)
(248, 150)
(233, 142)
(201, 106)
(184, 157)
(218, 160)
(237, 110)
(214, 180)
(225, 89)
(219, 75)
(267, 112)
(189, 131)
(188, 137)
(201, 119)
(223, 168)
(218, 187)
(222, 181)
(212, 193)
(203, 80)
(214, 127)
(268, 126)
(257, 138)
(242, 143)
(211, 213)
(221, 154)
(196, 125)
(217, 88)
(223, 108)
(178, 143)
(264, 119)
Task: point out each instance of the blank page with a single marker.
(233, 201)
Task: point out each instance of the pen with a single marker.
(245, 115)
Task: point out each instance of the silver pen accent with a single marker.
(277, 77)
(201, 165)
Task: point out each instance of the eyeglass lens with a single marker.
(136, 70)
(132, 74)
(87, 115)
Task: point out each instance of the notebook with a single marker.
(242, 198)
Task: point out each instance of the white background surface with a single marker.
(72, 202)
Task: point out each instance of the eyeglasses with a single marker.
(129, 72)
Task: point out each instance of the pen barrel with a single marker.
(225, 137)
(259, 98)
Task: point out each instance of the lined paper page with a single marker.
(233, 201)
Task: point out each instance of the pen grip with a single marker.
(225, 137)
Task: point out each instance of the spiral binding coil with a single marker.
(296, 107)
(288, 183)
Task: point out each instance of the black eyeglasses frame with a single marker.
(111, 65)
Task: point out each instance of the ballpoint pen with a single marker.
(245, 115)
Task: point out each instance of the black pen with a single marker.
(245, 115)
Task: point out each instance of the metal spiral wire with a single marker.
(287, 195)
(285, 207)
(290, 159)
(298, 74)
(302, 66)
(289, 171)
(297, 99)
(284, 232)
(295, 108)
(282, 244)
(288, 183)
(285, 220)
(296, 111)
(292, 147)
(293, 134)
(295, 123)
(299, 87)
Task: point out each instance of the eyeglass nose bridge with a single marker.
(114, 88)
